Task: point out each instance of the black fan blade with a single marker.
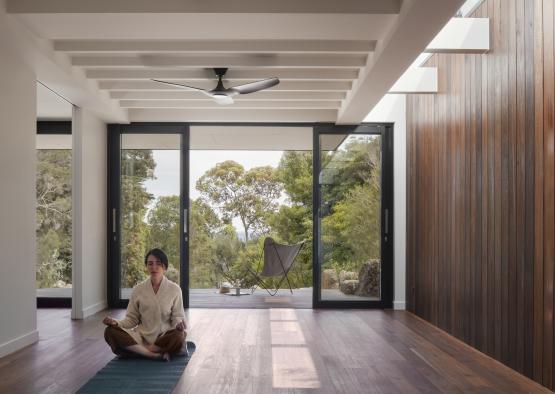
(180, 85)
(255, 86)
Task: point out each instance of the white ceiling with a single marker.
(335, 59)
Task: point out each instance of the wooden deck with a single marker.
(211, 298)
(275, 351)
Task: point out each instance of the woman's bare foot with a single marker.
(153, 348)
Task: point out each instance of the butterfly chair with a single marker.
(278, 260)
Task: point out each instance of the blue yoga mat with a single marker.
(138, 375)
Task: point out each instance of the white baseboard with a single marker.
(19, 343)
(91, 310)
(399, 305)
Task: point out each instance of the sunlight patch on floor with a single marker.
(292, 363)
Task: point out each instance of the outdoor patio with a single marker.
(211, 298)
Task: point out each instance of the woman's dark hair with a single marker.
(159, 254)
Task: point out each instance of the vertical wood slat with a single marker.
(497, 183)
(520, 186)
(492, 280)
(548, 190)
(482, 158)
(511, 287)
(529, 192)
(538, 192)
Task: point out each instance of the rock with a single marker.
(369, 279)
(348, 286)
(329, 279)
(347, 275)
(60, 284)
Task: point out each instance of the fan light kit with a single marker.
(224, 96)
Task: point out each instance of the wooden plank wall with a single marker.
(481, 192)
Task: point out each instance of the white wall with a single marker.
(18, 321)
(392, 108)
(89, 198)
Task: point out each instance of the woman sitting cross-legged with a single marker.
(154, 324)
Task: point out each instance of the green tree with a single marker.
(204, 223)
(136, 167)
(53, 186)
(227, 245)
(295, 172)
(249, 195)
(351, 179)
(293, 222)
(356, 163)
(164, 231)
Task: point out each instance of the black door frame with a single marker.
(115, 131)
(385, 130)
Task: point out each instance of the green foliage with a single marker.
(136, 167)
(250, 256)
(164, 231)
(351, 205)
(249, 195)
(295, 172)
(356, 163)
(293, 223)
(202, 254)
(227, 246)
(53, 217)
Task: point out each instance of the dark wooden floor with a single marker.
(276, 350)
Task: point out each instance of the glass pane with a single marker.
(349, 217)
(150, 204)
(248, 183)
(53, 273)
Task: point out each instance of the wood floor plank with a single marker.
(275, 351)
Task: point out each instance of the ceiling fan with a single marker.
(223, 95)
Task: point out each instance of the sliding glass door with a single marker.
(149, 203)
(353, 216)
(351, 264)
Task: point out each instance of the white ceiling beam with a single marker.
(267, 60)
(263, 95)
(314, 86)
(250, 137)
(215, 46)
(197, 26)
(462, 35)
(231, 75)
(416, 80)
(212, 6)
(417, 24)
(237, 115)
(53, 69)
(238, 104)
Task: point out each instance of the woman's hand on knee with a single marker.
(110, 322)
(181, 326)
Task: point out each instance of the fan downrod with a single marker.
(220, 72)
